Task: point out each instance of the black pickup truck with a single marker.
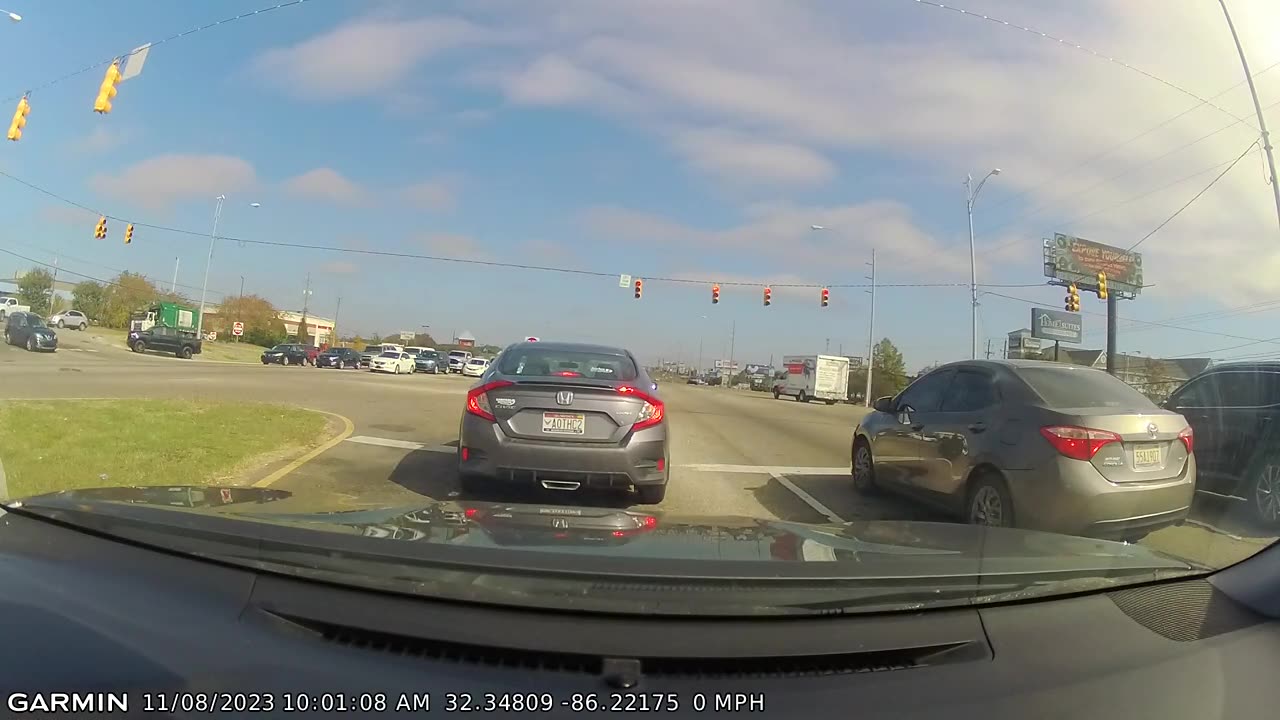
(165, 339)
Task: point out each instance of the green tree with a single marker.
(34, 289)
(889, 372)
(129, 293)
(90, 298)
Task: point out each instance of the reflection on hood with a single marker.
(894, 547)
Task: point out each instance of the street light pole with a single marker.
(204, 289)
(871, 331)
(1257, 108)
(971, 193)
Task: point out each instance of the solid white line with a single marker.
(808, 499)
(766, 469)
(402, 444)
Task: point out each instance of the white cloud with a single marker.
(327, 184)
(737, 158)
(99, 140)
(163, 179)
(452, 245)
(435, 195)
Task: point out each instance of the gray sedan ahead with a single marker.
(1031, 444)
(565, 416)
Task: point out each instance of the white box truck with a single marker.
(825, 377)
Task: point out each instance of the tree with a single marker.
(90, 298)
(34, 289)
(889, 372)
(262, 324)
(128, 294)
(424, 340)
(1157, 385)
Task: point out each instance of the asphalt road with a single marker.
(734, 453)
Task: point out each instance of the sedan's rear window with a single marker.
(1082, 388)
(542, 362)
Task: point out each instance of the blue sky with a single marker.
(695, 141)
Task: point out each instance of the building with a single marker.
(1021, 345)
(466, 340)
(1154, 377)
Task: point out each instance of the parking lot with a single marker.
(734, 453)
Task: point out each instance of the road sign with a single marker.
(531, 339)
(624, 281)
(1075, 260)
(1056, 325)
(225, 493)
(237, 328)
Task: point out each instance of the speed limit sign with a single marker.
(237, 328)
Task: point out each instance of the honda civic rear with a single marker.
(564, 416)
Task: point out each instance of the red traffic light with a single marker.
(768, 296)
(826, 297)
(715, 294)
(639, 288)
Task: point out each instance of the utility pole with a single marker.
(871, 330)
(53, 286)
(827, 349)
(239, 305)
(733, 333)
(173, 286)
(1257, 108)
(204, 289)
(336, 313)
(988, 348)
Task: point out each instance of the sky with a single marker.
(687, 143)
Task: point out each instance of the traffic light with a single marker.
(100, 231)
(19, 119)
(715, 294)
(826, 297)
(1072, 301)
(107, 90)
(639, 288)
(1102, 286)
(768, 296)
(128, 233)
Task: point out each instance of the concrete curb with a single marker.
(347, 429)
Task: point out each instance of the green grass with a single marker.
(216, 350)
(52, 445)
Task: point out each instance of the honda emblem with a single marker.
(564, 397)
(559, 522)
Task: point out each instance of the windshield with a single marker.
(856, 286)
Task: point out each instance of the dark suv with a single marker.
(26, 329)
(181, 343)
(1234, 409)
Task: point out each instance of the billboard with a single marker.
(1072, 259)
(1058, 325)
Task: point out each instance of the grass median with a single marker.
(51, 445)
(209, 349)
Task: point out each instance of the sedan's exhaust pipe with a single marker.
(561, 484)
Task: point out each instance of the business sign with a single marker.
(726, 365)
(1057, 325)
(1072, 259)
(407, 335)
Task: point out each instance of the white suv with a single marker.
(70, 319)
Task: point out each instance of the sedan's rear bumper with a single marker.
(641, 458)
(1070, 496)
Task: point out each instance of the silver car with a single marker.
(1031, 444)
(565, 416)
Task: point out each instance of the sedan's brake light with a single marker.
(1076, 442)
(1188, 438)
(478, 399)
(652, 412)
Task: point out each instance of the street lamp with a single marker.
(213, 236)
(871, 319)
(13, 17)
(971, 195)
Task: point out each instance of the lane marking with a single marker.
(401, 444)
(806, 498)
(348, 428)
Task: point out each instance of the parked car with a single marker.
(1235, 411)
(565, 416)
(392, 361)
(429, 361)
(340, 358)
(1031, 444)
(457, 360)
(73, 319)
(28, 330)
(372, 351)
(475, 367)
(286, 354)
(181, 343)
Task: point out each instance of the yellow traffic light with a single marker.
(1102, 286)
(128, 233)
(19, 119)
(1071, 303)
(107, 90)
(100, 231)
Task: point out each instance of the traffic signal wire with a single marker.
(185, 33)
(1195, 197)
(98, 280)
(491, 263)
(1095, 53)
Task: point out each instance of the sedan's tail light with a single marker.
(1188, 438)
(478, 399)
(652, 412)
(1076, 442)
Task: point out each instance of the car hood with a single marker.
(868, 546)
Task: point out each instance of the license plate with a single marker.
(559, 423)
(1146, 455)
